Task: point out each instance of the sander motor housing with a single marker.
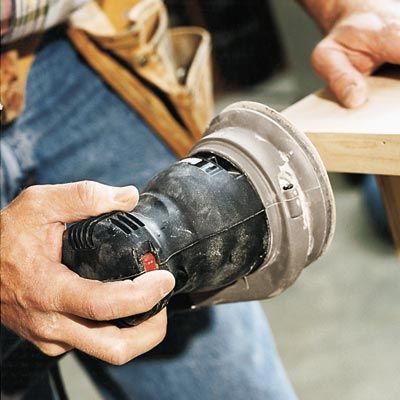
(239, 219)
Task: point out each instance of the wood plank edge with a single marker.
(359, 153)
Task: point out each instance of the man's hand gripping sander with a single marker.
(237, 220)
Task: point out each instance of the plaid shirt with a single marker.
(20, 18)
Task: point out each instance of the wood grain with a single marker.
(362, 140)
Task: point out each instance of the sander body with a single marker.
(238, 219)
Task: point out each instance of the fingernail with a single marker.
(126, 194)
(354, 96)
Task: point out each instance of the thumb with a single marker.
(345, 81)
(71, 202)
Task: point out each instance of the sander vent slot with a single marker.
(127, 222)
(80, 235)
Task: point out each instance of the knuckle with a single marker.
(315, 56)
(45, 330)
(144, 301)
(31, 191)
(32, 194)
(46, 326)
(101, 310)
(51, 349)
(93, 310)
(318, 56)
(339, 82)
(86, 192)
(20, 299)
(161, 333)
(340, 77)
(119, 353)
(161, 330)
(158, 327)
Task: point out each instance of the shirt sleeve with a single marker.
(20, 18)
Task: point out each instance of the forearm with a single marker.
(327, 12)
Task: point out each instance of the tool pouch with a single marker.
(11, 87)
(15, 64)
(164, 74)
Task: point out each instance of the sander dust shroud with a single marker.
(239, 219)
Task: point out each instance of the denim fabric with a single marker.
(74, 127)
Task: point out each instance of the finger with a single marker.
(346, 82)
(71, 202)
(110, 300)
(112, 344)
(52, 349)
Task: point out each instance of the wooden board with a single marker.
(363, 140)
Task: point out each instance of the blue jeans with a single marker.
(73, 128)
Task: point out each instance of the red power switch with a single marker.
(149, 262)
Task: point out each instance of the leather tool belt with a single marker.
(164, 74)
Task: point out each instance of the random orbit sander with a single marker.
(239, 219)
